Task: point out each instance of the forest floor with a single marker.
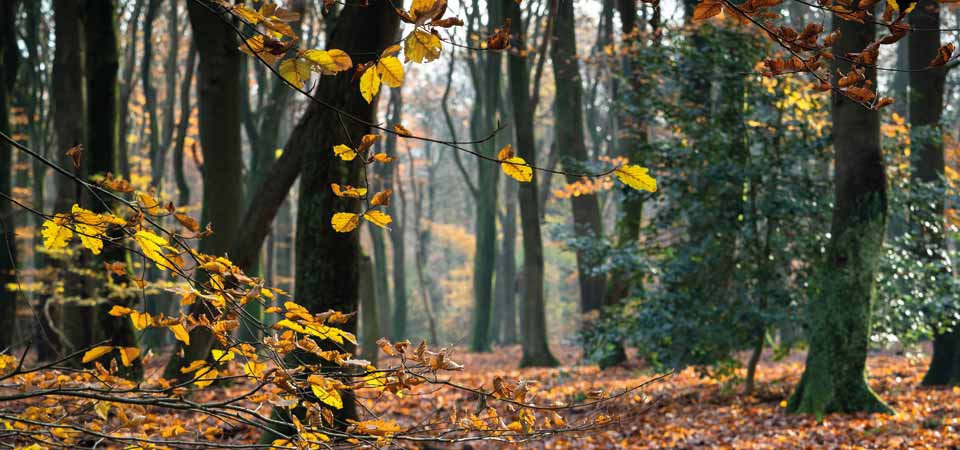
(686, 411)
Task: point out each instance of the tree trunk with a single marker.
(9, 61)
(218, 89)
(506, 325)
(835, 376)
(150, 92)
(369, 324)
(533, 329)
(926, 137)
(327, 261)
(102, 65)
(186, 109)
(126, 85)
(569, 134)
(380, 278)
(486, 199)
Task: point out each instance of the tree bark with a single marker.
(835, 376)
(533, 329)
(218, 89)
(397, 241)
(926, 137)
(9, 62)
(101, 68)
(186, 110)
(327, 261)
(569, 133)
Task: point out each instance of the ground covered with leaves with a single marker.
(686, 411)
(617, 408)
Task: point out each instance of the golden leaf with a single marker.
(296, 71)
(192, 367)
(140, 320)
(55, 233)
(378, 218)
(370, 83)
(348, 191)
(321, 388)
(636, 177)
(383, 158)
(421, 46)
(517, 168)
(95, 353)
(344, 222)
(391, 71)
(344, 152)
(205, 377)
(128, 355)
(221, 356)
(152, 247)
(180, 333)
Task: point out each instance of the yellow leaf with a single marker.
(103, 409)
(140, 320)
(326, 394)
(247, 14)
(152, 247)
(391, 71)
(348, 191)
(128, 355)
(193, 366)
(517, 168)
(378, 218)
(506, 153)
(383, 158)
(344, 152)
(401, 130)
(296, 71)
(150, 204)
(254, 369)
(95, 353)
(421, 46)
(55, 233)
(344, 222)
(894, 5)
(377, 427)
(329, 61)
(120, 311)
(340, 58)
(222, 356)
(205, 377)
(180, 333)
(370, 83)
(636, 177)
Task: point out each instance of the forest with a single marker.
(479, 224)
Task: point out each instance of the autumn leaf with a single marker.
(344, 152)
(378, 218)
(390, 70)
(75, 153)
(187, 221)
(55, 233)
(205, 377)
(381, 198)
(328, 62)
(636, 177)
(383, 158)
(401, 130)
(377, 427)
(943, 55)
(370, 83)
(180, 333)
(152, 247)
(344, 222)
(141, 320)
(366, 142)
(193, 366)
(322, 389)
(514, 166)
(254, 369)
(707, 9)
(421, 46)
(221, 356)
(348, 191)
(95, 353)
(296, 71)
(128, 355)
(150, 204)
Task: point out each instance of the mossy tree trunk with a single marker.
(839, 329)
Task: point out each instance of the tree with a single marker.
(569, 134)
(834, 379)
(218, 89)
(926, 137)
(101, 66)
(536, 351)
(9, 61)
(390, 179)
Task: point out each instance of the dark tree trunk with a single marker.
(150, 92)
(506, 320)
(926, 109)
(835, 376)
(102, 65)
(218, 89)
(571, 142)
(486, 196)
(126, 85)
(327, 261)
(380, 276)
(533, 325)
(186, 109)
(9, 61)
(397, 241)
